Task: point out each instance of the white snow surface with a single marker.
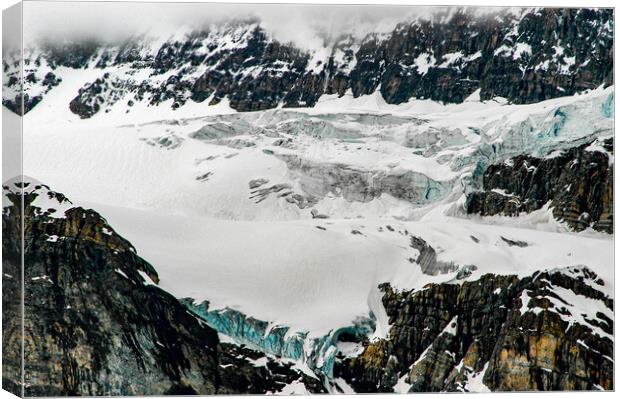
(188, 210)
(474, 381)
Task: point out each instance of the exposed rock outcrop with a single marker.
(244, 370)
(526, 56)
(427, 258)
(576, 183)
(103, 92)
(95, 323)
(552, 330)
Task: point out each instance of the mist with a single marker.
(307, 26)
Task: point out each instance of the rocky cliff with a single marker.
(577, 184)
(95, 322)
(552, 330)
(526, 56)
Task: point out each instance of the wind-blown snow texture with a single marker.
(447, 164)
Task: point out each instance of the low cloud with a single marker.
(307, 26)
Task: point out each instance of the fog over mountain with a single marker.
(303, 25)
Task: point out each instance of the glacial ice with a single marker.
(608, 106)
(560, 128)
(320, 179)
(421, 154)
(318, 353)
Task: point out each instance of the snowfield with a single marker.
(222, 203)
(295, 274)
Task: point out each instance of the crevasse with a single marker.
(607, 108)
(538, 135)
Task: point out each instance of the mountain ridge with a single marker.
(525, 57)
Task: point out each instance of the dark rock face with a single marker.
(95, 322)
(12, 305)
(12, 86)
(90, 99)
(577, 183)
(240, 373)
(75, 55)
(427, 259)
(94, 325)
(15, 104)
(533, 333)
(526, 57)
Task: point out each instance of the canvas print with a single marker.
(204, 198)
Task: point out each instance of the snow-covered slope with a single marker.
(210, 200)
(308, 226)
(292, 273)
(344, 158)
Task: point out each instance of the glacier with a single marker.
(335, 209)
(181, 189)
(317, 353)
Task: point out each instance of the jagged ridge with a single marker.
(526, 57)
